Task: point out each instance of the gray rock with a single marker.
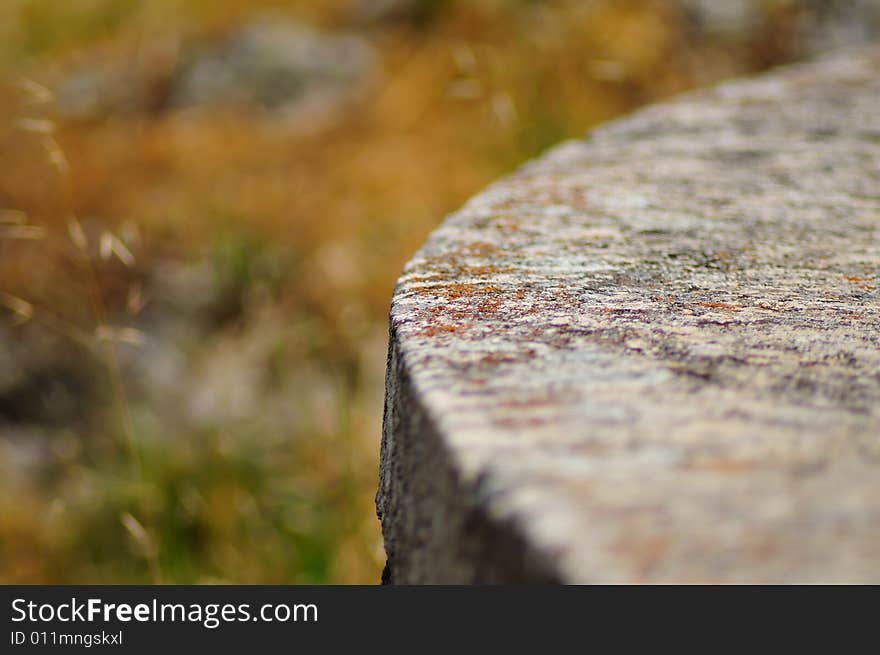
(831, 24)
(272, 65)
(817, 25)
(728, 17)
(269, 64)
(654, 354)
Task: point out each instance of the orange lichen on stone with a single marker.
(449, 313)
(485, 270)
(489, 306)
(454, 291)
(426, 278)
(719, 305)
(434, 330)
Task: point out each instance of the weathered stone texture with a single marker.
(654, 354)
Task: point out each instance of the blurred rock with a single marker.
(818, 25)
(272, 65)
(42, 378)
(25, 451)
(268, 64)
(729, 17)
(105, 84)
(92, 92)
(188, 290)
(387, 9)
(835, 23)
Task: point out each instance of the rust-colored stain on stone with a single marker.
(434, 330)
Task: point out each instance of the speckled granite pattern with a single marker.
(654, 354)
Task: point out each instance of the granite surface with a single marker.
(653, 355)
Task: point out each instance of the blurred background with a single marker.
(204, 205)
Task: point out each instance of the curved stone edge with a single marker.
(437, 516)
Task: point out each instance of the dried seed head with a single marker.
(23, 310)
(111, 245)
(76, 233)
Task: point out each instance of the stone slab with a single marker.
(653, 355)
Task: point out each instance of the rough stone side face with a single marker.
(437, 531)
(654, 354)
